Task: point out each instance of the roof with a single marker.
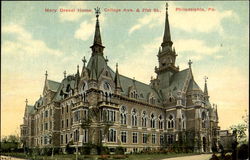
(53, 85)
(178, 79)
(142, 88)
(193, 86)
(96, 64)
(30, 109)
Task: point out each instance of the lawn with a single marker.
(95, 157)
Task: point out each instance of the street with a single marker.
(195, 157)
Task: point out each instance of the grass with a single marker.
(95, 157)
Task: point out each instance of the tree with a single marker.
(241, 130)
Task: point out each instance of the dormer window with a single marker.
(106, 86)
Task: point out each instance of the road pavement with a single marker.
(194, 157)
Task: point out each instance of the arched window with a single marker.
(203, 120)
(160, 122)
(134, 117)
(170, 121)
(123, 115)
(152, 121)
(144, 119)
(112, 135)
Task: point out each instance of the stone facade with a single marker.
(100, 106)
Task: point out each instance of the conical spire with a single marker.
(167, 37)
(205, 87)
(117, 78)
(97, 46)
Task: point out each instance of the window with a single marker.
(67, 108)
(67, 123)
(66, 138)
(144, 119)
(160, 122)
(124, 136)
(46, 114)
(50, 112)
(112, 135)
(183, 121)
(170, 121)
(203, 120)
(123, 115)
(41, 127)
(153, 139)
(46, 126)
(106, 86)
(134, 117)
(161, 139)
(76, 135)
(85, 114)
(50, 125)
(62, 124)
(152, 121)
(62, 109)
(61, 140)
(76, 116)
(170, 139)
(110, 115)
(85, 136)
(144, 138)
(135, 136)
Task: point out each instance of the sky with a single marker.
(33, 41)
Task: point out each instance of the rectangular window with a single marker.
(144, 138)
(111, 115)
(85, 136)
(67, 123)
(50, 125)
(76, 116)
(62, 110)
(153, 139)
(124, 136)
(85, 114)
(66, 138)
(46, 126)
(135, 137)
(161, 139)
(50, 112)
(67, 108)
(170, 139)
(62, 124)
(61, 140)
(46, 114)
(112, 135)
(41, 127)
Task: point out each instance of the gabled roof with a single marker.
(53, 85)
(178, 79)
(96, 64)
(142, 88)
(193, 86)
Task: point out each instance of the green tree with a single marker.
(241, 129)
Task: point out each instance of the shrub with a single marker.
(104, 157)
(69, 150)
(119, 156)
(214, 157)
(119, 150)
(243, 151)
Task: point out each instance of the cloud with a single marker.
(71, 16)
(188, 21)
(194, 45)
(24, 44)
(87, 28)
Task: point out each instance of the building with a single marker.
(100, 106)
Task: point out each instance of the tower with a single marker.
(166, 57)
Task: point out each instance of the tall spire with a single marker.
(26, 102)
(167, 37)
(97, 47)
(117, 79)
(205, 88)
(46, 75)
